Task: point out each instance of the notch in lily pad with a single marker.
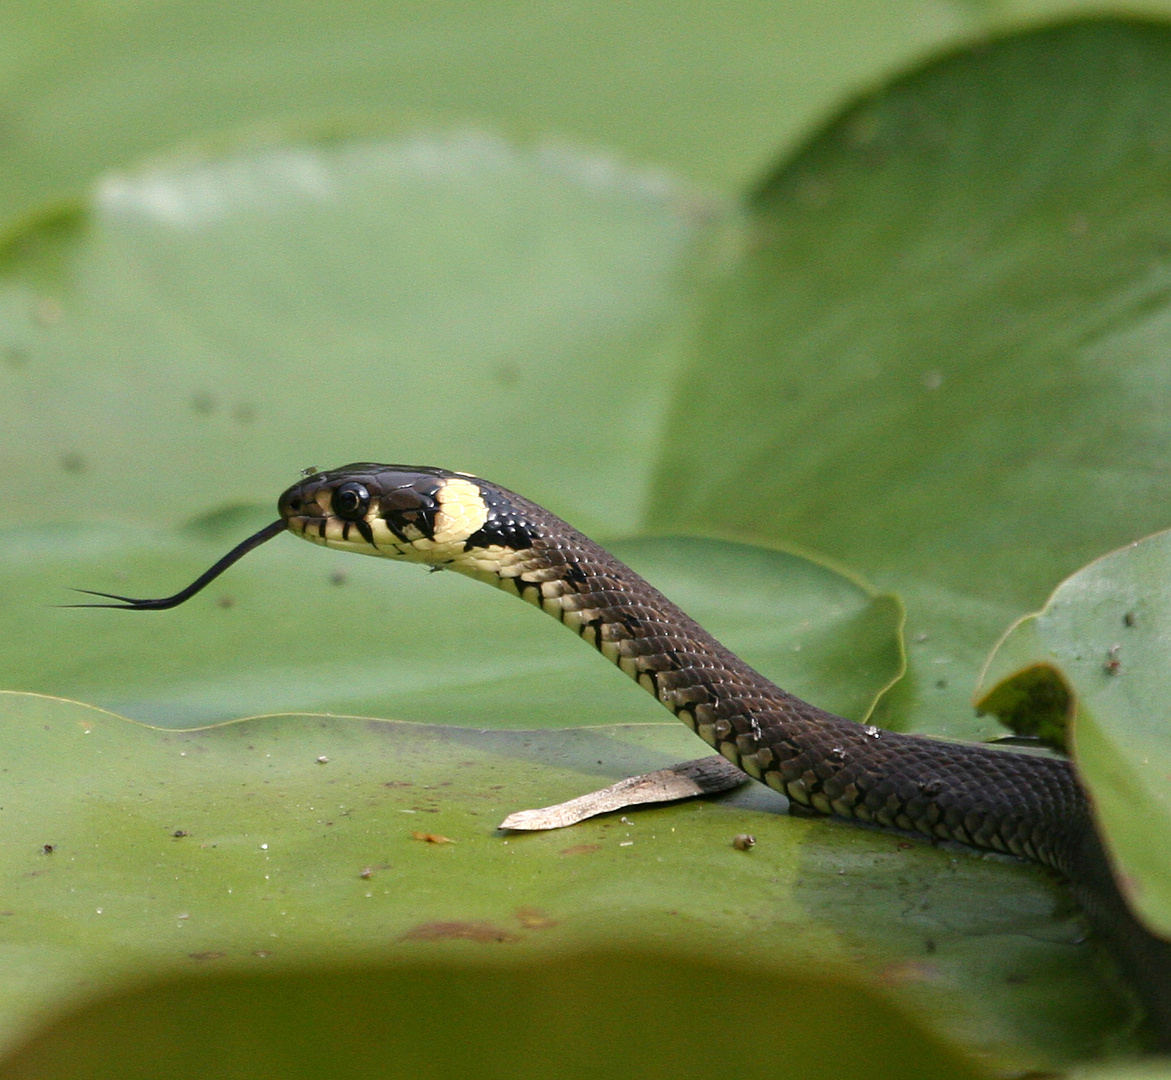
(1035, 703)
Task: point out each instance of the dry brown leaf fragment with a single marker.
(703, 776)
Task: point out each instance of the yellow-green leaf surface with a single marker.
(598, 1013)
(275, 841)
(944, 353)
(1103, 633)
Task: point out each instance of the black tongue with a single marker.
(130, 603)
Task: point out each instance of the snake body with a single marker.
(984, 797)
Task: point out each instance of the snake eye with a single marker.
(351, 501)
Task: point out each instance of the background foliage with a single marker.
(533, 241)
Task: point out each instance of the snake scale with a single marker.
(980, 796)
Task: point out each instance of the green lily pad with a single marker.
(943, 353)
(1103, 632)
(284, 840)
(209, 326)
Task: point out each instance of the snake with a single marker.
(978, 795)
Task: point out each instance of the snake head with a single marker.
(409, 512)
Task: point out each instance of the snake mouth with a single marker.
(331, 531)
(301, 524)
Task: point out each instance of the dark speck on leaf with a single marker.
(203, 402)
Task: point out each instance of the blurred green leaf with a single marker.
(943, 354)
(592, 1014)
(207, 326)
(705, 91)
(1105, 631)
(709, 93)
(1151, 1069)
(238, 846)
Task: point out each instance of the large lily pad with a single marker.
(167, 289)
(1103, 636)
(206, 327)
(285, 839)
(943, 354)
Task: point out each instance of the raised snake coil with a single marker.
(989, 798)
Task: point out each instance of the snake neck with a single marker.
(984, 797)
